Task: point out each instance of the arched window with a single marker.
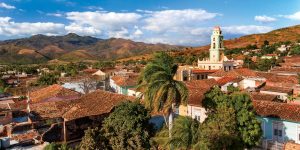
(214, 39)
(214, 45)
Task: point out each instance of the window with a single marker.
(213, 39)
(2, 115)
(185, 78)
(275, 132)
(197, 117)
(214, 45)
(198, 77)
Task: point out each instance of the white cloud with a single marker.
(82, 30)
(167, 20)
(55, 14)
(15, 29)
(109, 24)
(295, 16)
(264, 19)
(6, 6)
(246, 29)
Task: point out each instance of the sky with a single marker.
(178, 22)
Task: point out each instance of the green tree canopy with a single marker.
(94, 140)
(185, 134)
(246, 124)
(127, 127)
(48, 79)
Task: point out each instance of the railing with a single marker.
(272, 145)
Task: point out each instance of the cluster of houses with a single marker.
(62, 112)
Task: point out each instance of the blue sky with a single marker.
(181, 22)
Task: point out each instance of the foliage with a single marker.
(47, 79)
(104, 64)
(248, 63)
(158, 86)
(94, 140)
(185, 134)
(268, 49)
(3, 86)
(295, 50)
(127, 127)
(55, 146)
(266, 64)
(247, 126)
(231, 89)
(219, 131)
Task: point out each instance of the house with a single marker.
(239, 72)
(134, 92)
(5, 114)
(197, 90)
(282, 48)
(269, 56)
(121, 83)
(188, 73)
(282, 93)
(263, 97)
(89, 111)
(280, 122)
(53, 93)
(225, 82)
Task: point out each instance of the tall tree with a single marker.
(247, 125)
(127, 127)
(185, 134)
(93, 140)
(219, 130)
(161, 92)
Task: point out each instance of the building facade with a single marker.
(217, 60)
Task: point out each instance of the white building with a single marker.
(217, 59)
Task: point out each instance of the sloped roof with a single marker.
(276, 89)
(262, 97)
(128, 80)
(225, 80)
(284, 111)
(53, 92)
(291, 146)
(240, 72)
(197, 89)
(95, 103)
(53, 109)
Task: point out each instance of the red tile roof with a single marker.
(240, 72)
(128, 80)
(291, 146)
(53, 92)
(276, 89)
(203, 71)
(225, 80)
(95, 103)
(284, 111)
(197, 89)
(263, 97)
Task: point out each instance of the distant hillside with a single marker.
(72, 47)
(284, 34)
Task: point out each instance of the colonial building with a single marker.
(217, 59)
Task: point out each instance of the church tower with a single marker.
(216, 46)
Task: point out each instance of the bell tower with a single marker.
(216, 46)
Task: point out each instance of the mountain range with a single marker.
(72, 47)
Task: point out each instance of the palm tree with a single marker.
(185, 134)
(160, 91)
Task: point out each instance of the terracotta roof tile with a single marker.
(240, 72)
(203, 71)
(277, 89)
(225, 80)
(128, 80)
(284, 111)
(291, 146)
(53, 92)
(262, 97)
(197, 89)
(95, 103)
